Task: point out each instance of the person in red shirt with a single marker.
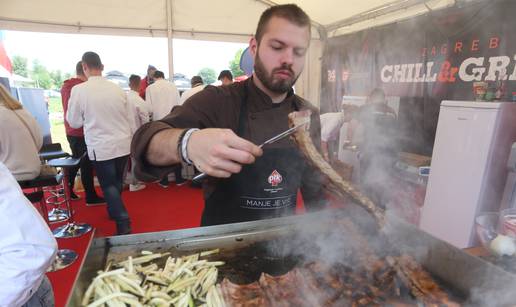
(75, 138)
(148, 80)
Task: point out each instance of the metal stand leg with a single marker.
(56, 214)
(64, 258)
(71, 229)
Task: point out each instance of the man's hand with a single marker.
(220, 152)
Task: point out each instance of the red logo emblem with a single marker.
(275, 178)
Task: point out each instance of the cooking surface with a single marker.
(333, 282)
(271, 247)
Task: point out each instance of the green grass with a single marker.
(55, 105)
(57, 128)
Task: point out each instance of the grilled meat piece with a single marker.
(336, 183)
(319, 284)
(317, 290)
(363, 278)
(282, 291)
(421, 284)
(250, 295)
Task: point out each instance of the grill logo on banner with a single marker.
(275, 178)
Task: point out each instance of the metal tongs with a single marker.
(269, 141)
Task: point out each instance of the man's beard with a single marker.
(278, 86)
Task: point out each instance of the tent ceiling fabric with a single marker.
(219, 20)
(227, 20)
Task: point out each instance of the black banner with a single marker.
(424, 60)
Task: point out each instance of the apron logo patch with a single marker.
(275, 178)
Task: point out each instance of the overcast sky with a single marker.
(126, 54)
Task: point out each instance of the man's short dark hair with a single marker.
(225, 74)
(134, 79)
(290, 12)
(196, 80)
(377, 96)
(92, 60)
(78, 69)
(159, 74)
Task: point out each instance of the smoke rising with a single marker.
(345, 241)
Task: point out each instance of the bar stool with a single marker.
(52, 151)
(71, 229)
(38, 184)
(56, 198)
(64, 257)
(37, 197)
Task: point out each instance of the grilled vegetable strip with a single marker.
(336, 182)
(143, 259)
(183, 281)
(109, 297)
(210, 252)
(214, 297)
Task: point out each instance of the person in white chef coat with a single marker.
(162, 96)
(101, 107)
(331, 124)
(197, 86)
(27, 249)
(139, 114)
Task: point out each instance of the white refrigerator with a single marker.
(468, 168)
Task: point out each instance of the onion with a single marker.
(503, 245)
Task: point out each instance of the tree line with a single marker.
(43, 77)
(54, 79)
(209, 75)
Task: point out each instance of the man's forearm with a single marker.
(162, 150)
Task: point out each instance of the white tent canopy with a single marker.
(21, 79)
(228, 20)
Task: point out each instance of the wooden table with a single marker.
(478, 251)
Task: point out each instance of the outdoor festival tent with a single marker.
(228, 20)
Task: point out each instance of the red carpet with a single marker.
(151, 209)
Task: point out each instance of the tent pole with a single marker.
(170, 42)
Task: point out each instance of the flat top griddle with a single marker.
(277, 246)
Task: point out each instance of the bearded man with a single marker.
(217, 131)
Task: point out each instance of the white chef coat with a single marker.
(189, 93)
(27, 247)
(101, 107)
(330, 125)
(162, 96)
(139, 109)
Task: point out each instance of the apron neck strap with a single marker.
(242, 117)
